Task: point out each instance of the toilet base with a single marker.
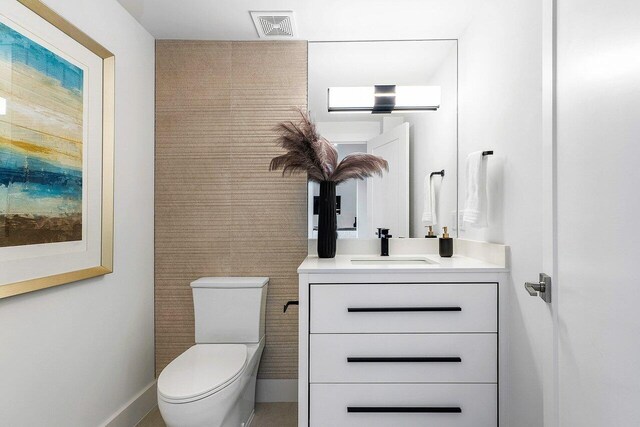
(243, 411)
(250, 420)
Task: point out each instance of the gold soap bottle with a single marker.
(430, 234)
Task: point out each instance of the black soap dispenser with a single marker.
(446, 244)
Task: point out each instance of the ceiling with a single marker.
(316, 19)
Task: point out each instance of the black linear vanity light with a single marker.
(383, 99)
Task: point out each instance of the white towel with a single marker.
(476, 204)
(429, 215)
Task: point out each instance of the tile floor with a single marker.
(267, 415)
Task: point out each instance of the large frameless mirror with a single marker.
(398, 100)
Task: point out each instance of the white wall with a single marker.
(73, 355)
(500, 58)
(598, 149)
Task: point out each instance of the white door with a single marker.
(388, 197)
(592, 246)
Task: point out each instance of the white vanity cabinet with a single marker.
(404, 347)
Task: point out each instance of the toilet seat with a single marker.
(202, 370)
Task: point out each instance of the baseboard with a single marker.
(277, 390)
(135, 409)
(141, 404)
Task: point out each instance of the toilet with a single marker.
(213, 383)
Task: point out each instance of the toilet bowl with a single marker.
(213, 383)
(210, 385)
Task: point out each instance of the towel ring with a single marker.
(487, 153)
(441, 173)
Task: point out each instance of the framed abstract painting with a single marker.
(56, 151)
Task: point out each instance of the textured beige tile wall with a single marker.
(219, 211)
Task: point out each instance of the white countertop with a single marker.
(343, 264)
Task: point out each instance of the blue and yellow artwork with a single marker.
(41, 138)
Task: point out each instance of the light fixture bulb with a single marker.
(366, 99)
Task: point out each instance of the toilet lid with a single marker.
(202, 369)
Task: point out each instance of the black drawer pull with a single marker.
(407, 409)
(403, 359)
(399, 309)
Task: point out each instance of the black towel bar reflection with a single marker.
(441, 173)
(400, 309)
(406, 409)
(412, 359)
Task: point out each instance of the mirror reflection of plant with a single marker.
(307, 151)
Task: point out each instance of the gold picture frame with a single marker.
(108, 135)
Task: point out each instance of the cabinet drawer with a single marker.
(407, 358)
(396, 405)
(388, 308)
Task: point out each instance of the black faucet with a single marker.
(383, 234)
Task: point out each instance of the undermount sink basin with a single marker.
(393, 260)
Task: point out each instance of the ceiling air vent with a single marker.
(274, 25)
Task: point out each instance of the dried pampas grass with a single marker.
(307, 151)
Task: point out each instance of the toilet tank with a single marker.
(229, 309)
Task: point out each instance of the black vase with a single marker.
(327, 221)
